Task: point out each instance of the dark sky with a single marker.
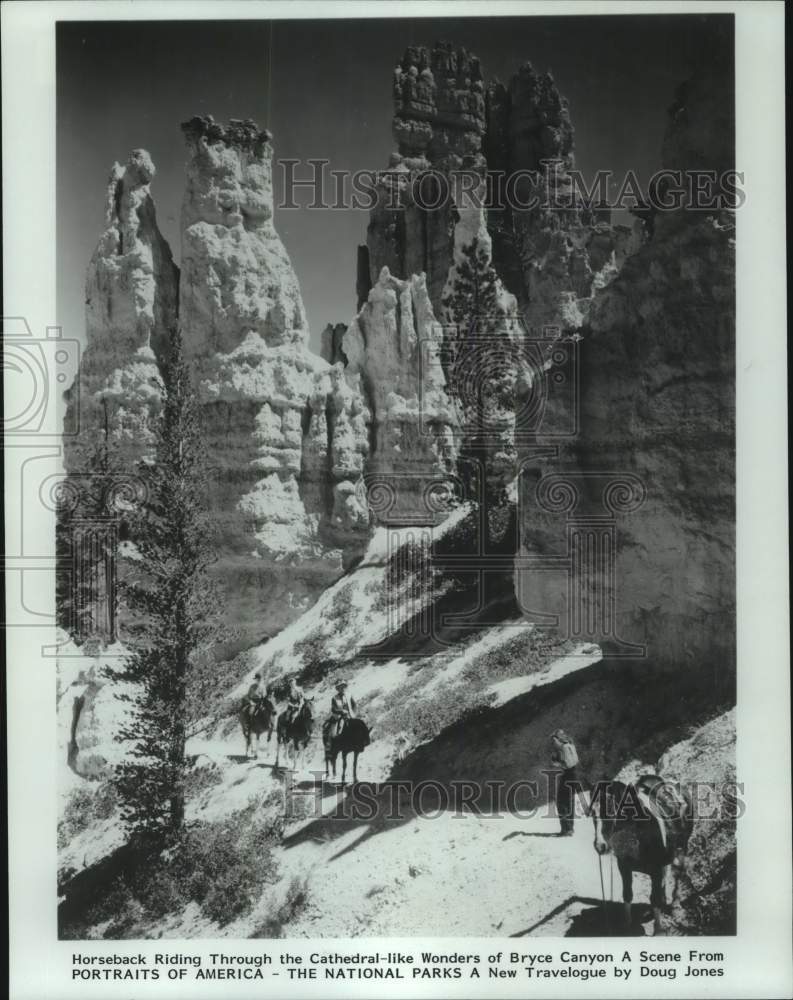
(323, 88)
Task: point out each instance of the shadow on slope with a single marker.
(497, 759)
(615, 710)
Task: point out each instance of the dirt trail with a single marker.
(446, 875)
(389, 870)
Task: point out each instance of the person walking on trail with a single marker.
(565, 757)
(342, 708)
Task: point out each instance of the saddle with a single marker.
(333, 726)
(664, 801)
(260, 708)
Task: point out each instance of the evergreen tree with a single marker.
(471, 305)
(480, 361)
(175, 604)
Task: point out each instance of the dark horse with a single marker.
(257, 721)
(646, 826)
(353, 738)
(296, 735)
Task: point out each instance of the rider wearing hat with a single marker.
(342, 708)
(255, 696)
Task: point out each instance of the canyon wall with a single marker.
(635, 512)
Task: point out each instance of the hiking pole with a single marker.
(606, 913)
(602, 887)
(611, 879)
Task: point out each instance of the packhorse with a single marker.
(646, 826)
(257, 720)
(353, 738)
(295, 735)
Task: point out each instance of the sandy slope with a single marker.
(399, 873)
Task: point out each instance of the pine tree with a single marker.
(175, 604)
(471, 305)
(480, 362)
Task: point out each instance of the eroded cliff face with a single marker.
(656, 421)
(283, 532)
(495, 271)
(439, 120)
(131, 304)
(286, 433)
(555, 255)
(393, 348)
(452, 130)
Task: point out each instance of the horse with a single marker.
(646, 826)
(298, 732)
(353, 738)
(257, 721)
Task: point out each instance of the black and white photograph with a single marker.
(392, 485)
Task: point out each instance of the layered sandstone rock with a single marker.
(494, 272)
(265, 397)
(131, 302)
(439, 120)
(451, 130)
(331, 338)
(553, 257)
(286, 434)
(393, 348)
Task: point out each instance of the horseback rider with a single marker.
(294, 701)
(254, 699)
(342, 708)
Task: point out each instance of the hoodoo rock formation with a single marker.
(555, 255)
(130, 309)
(265, 396)
(450, 130)
(298, 442)
(286, 433)
(394, 347)
(439, 120)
